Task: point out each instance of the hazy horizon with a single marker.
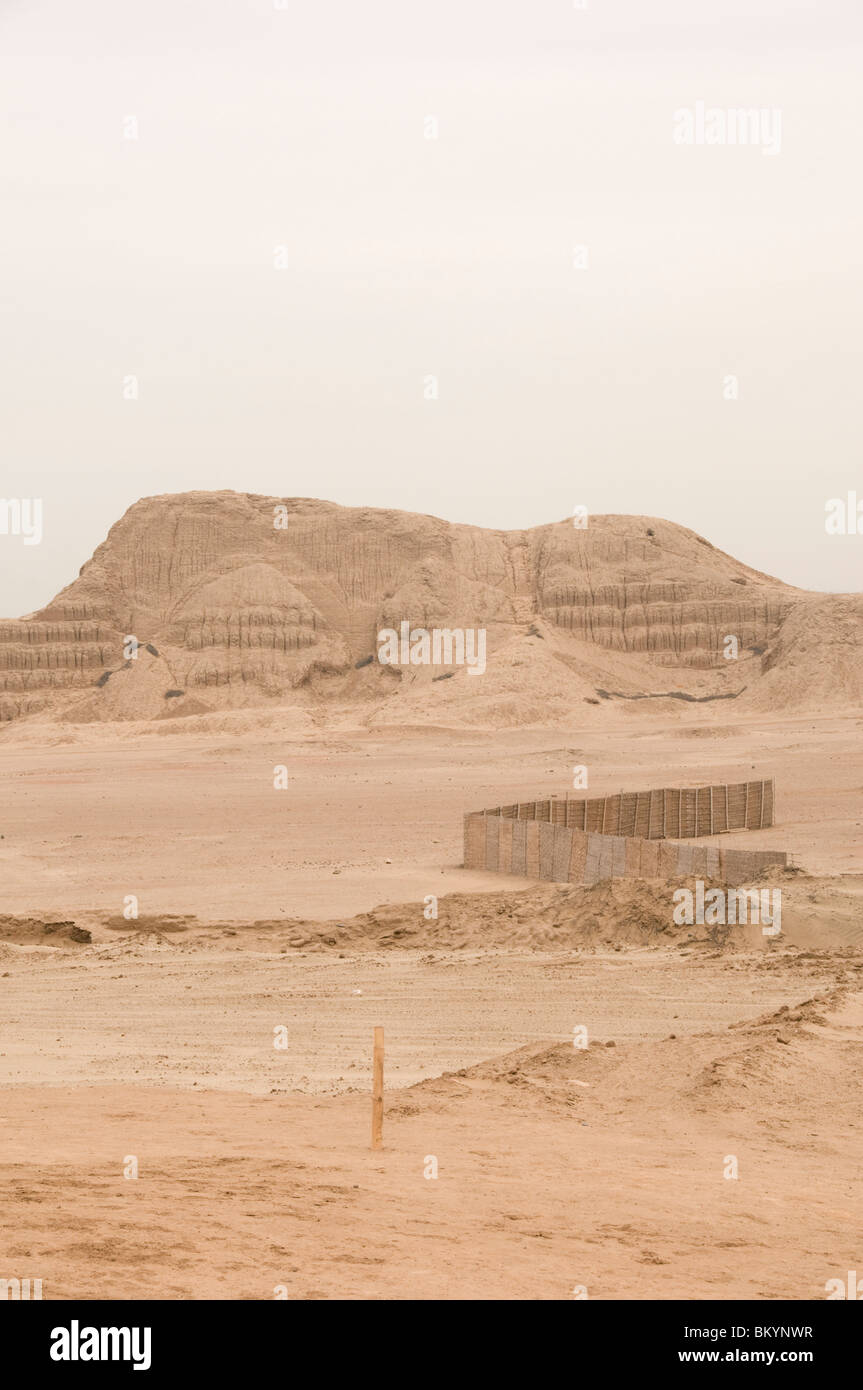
(283, 222)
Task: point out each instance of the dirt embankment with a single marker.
(821, 913)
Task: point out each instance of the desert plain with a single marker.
(185, 1088)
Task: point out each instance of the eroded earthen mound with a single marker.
(233, 611)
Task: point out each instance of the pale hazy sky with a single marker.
(304, 126)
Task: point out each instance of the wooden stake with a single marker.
(378, 1091)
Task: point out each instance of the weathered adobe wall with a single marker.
(664, 813)
(544, 850)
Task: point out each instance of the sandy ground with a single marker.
(195, 826)
(187, 1017)
(557, 1171)
(558, 1168)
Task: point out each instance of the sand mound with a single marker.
(42, 931)
(799, 1058)
(820, 915)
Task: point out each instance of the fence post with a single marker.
(378, 1090)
